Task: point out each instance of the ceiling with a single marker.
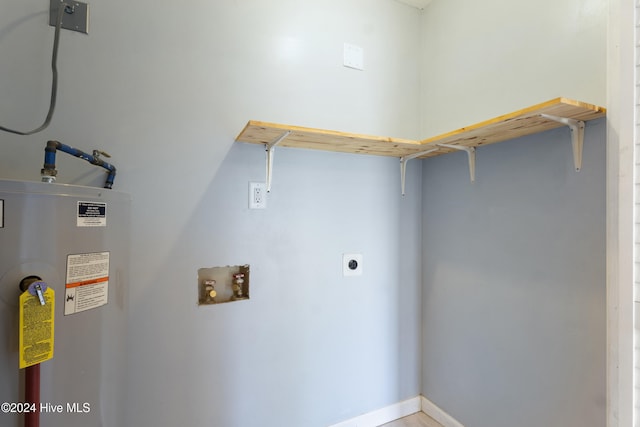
(420, 4)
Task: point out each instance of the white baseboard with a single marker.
(430, 408)
(399, 410)
(384, 415)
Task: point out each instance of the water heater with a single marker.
(76, 239)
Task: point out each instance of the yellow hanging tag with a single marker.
(36, 325)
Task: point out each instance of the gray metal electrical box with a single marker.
(75, 16)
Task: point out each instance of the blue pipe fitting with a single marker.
(49, 171)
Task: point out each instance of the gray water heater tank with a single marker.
(77, 240)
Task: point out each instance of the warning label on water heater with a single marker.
(92, 214)
(87, 283)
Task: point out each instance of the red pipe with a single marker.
(32, 395)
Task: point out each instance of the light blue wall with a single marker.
(483, 59)
(514, 283)
(165, 88)
(514, 265)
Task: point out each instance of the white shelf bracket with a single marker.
(471, 153)
(270, 148)
(403, 164)
(577, 136)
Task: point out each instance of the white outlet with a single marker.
(257, 195)
(352, 264)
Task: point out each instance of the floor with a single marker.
(419, 419)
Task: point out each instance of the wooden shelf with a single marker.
(517, 124)
(538, 118)
(328, 140)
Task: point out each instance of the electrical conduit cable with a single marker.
(54, 79)
(49, 170)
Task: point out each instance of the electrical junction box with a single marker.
(75, 16)
(223, 284)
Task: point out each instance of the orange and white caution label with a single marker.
(37, 324)
(87, 283)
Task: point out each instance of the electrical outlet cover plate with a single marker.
(352, 265)
(257, 195)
